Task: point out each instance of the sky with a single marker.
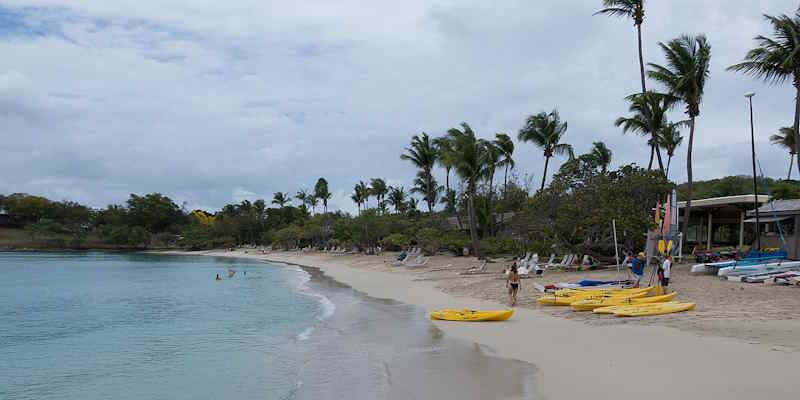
(215, 102)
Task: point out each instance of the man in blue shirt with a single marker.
(637, 268)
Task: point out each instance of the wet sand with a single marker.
(728, 347)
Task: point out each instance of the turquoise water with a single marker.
(100, 326)
(137, 326)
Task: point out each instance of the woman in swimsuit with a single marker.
(513, 284)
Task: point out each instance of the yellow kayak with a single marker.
(472, 315)
(613, 309)
(556, 300)
(656, 309)
(591, 304)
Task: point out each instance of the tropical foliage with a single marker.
(546, 131)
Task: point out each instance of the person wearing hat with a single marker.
(637, 268)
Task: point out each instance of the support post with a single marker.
(708, 242)
(741, 229)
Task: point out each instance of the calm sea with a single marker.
(138, 326)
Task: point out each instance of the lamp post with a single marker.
(755, 186)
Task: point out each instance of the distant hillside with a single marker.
(741, 184)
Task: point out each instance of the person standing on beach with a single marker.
(665, 269)
(513, 284)
(637, 268)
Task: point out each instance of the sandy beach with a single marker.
(740, 342)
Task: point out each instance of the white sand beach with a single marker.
(707, 353)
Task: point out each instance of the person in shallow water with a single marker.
(513, 284)
(218, 278)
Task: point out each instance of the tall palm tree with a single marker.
(506, 147)
(545, 130)
(444, 149)
(423, 155)
(379, 189)
(321, 192)
(785, 138)
(428, 187)
(602, 155)
(492, 159)
(685, 77)
(357, 198)
(280, 199)
(778, 59)
(633, 9)
(397, 197)
(649, 117)
(312, 201)
(470, 164)
(302, 196)
(670, 138)
(365, 192)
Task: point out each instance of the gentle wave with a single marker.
(327, 306)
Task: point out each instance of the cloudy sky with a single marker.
(212, 102)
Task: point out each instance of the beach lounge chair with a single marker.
(419, 261)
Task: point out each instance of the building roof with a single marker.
(742, 199)
(779, 207)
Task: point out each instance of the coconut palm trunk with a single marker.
(544, 174)
(689, 175)
(797, 115)
(641, 58)
(791, 161)
(473, 229)
(669, 160)
(658, 154)
(652, 153)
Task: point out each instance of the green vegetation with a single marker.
(742, 184)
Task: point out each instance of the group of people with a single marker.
(635, 273)
(637, 265)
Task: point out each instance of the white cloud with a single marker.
(204, 101)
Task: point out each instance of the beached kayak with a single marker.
(568, 299)
(739, 270)
(613, 309)
(654, 309)
(472, 315)
(591, 304)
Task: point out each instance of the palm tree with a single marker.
(670, 138)
(444, 149)
(357, 198)
(379, 189)
(633, 9)
(649, 118)
(397, 197)
(321, 192)
(493, 155)
(427, 187)
(785, 138)
(469, 164)
(312, 201)
(364, 191)
(776, 60)
(280, 199)
(302, 196)
(602, 155)
(423, 155)
(685, 77)
(546, 130)
(506, 147)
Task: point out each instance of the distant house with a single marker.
(779, 218)
(5, 219)
(502, 221)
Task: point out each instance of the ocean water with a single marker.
(138, 326)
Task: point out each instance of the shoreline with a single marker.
(574, 358)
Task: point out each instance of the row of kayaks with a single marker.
(620, 302)
(745, 267)
(617, 301)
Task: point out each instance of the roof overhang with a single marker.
(743, 199)
(767, 219)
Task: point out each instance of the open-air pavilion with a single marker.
(720, 221)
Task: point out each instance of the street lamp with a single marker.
(749, 96)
